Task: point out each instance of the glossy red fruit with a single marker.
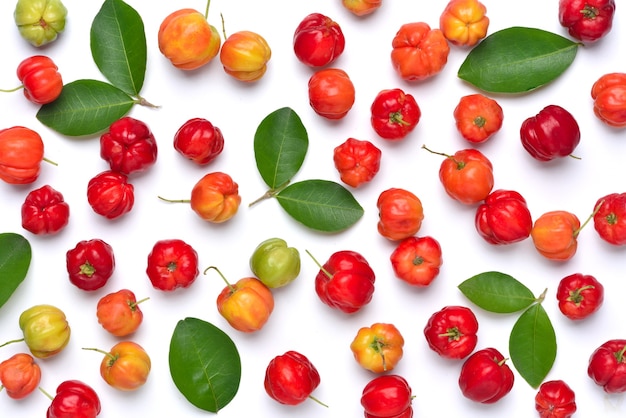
(387, 396)
(291, 378)
(485, 377)
(199, 140)
(579, 295)
(552, 133)
(318, 40)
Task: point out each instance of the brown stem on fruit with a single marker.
(232, 287)
(42, 390)
(318, 401)
(223, 27)
(174, 201)
(326, 272)
(595, 210)
(458, 163)
(575, 157)
(12, 341)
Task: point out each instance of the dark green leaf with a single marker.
(497, 292)
(532, 345)
(321, 205)
(280, 145)
(85, 107)
(517, 60)
(204, 364)
(118, 46)
(15, 256)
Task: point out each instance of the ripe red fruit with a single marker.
(199, 141)
(503, 218)
(291, 378)
(110, 194)
(44, 211)
(41, 79)
(129, 146)
(609, 219)
(587, 20)
(318, 40)
(552, 133)
(331, 93)
(387, 396)
(555, 399)
(451, 332)
(579, 295)
(345, 282)
(485, 377)
(90, 264)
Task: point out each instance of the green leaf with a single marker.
(497, 292)
(280, 145)
(85, 107)
(321, 205)
(532, 345)
(118, 46)
(15, 256)
(517, 60)
(204, 364)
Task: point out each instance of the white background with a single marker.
(300, 321)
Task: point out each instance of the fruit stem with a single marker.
(42, 390)
(140, 301)
(232, 287)
(50, 162)
(175, 201)
(318, 401)
(379, 346)
(12, 341)
(206, 10)
(223, 27)
(460, 164)
(453, 334)
(576, 295)
(12, 90)
(590, 217)
(111, 356)
(326, 272)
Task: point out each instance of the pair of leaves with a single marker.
(517, 60)
(280, 146)
(532, 342)
(118, 47)
(15, 257)
(204, 364)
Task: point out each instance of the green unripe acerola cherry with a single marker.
(40, 21)
(46, 330)
(274, 263)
